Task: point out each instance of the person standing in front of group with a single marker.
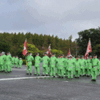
(29, 59)
(45, 64)
(37, 64)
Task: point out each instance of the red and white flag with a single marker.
(69, 53)
(25, 48)
(49, 50)
(89, 49)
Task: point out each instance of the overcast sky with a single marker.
(59, 17)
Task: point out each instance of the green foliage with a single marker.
(57, 52)
(30, 48)
(14, 43)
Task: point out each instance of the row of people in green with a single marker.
(17, 62)
(7, 62)
(67, 66)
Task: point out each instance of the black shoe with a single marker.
(93, 80)
(38, 74)
(42, 74)
(46, 74)
(87, 75)
(59, 77)
(30, 73)
(54, 76)
(35, 74)
(27, 73)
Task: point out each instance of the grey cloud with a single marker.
(62, 18)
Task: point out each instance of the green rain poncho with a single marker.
(45, 60)
(77, 68)
(8, 63)
(20, 63)
(95, 63)
(52, 65)
(37, 64)
(16, 61)
(29, 59)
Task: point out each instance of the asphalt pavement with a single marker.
(19, 86)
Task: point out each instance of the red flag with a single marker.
(49, 50)
(25, 48)
(88, 49)
(69, 53)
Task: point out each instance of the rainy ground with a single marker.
(19, 86)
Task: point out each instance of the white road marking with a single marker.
(65, 81)
(4, 79)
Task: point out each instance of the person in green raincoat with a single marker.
(20, 62)
(86, 67)
(98, 71)
(29, 59)
(45, 60)
(70, 67)
(37, 64)
(89, 66)
(16, 61)
(74, 60)
(82, 67)
(8, 63)
(57, 65)
(95, 63)
(3, 61)
(77, 67)
(53, 61)
(13, 61)
(98, 67)
(61, 67)
(66, 66)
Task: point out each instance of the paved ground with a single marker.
(18, 86)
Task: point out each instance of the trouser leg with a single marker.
(8, 68)
(35, 70)
(38, 69)
(20, 65)
(27, 69)
(53, 71)
(31, 69)
(71, 74)
(46, 70)
(68, 74)
(43, 70)
(81, 71)
(95, 75)
(78, 73)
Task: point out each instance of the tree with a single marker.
(57, 52)
(83, 39)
